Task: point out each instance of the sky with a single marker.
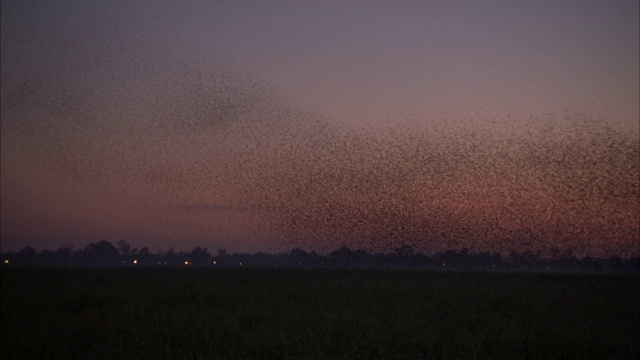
(268, 125)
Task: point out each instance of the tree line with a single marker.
(105, 254)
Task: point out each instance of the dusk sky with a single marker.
(268, 125)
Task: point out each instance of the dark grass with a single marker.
(316, 314)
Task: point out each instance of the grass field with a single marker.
(316, 314)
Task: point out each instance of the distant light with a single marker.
(443, 264)
(6, 261)
(187, 263)
(240, 264)
(215, 262)
(135, 261)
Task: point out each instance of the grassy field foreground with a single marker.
(316, 314)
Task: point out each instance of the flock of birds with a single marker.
(197, 148)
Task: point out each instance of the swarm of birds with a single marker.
(196, 147)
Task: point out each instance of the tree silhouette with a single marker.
(200, 256)
(64, 253)
(124, 248)
(102, 253)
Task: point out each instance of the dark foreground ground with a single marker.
(316, 314)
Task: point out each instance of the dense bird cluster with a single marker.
(185, 147)
(472, 186)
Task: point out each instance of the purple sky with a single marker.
(263, 125)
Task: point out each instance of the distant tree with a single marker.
(27, 255)
(171, 257)
(124, 248)
(404, 251)
(342, 257)
(298, 253)
(200, 256)
(614, 263)
(27, 251)
(63, 254)
(45, 257)
(449, 258)
(300, 258)
(589, 264)
(144, 256)
(102, 253)
(567, 255)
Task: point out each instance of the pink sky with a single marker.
(259, 126)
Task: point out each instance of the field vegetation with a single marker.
(204, 313)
